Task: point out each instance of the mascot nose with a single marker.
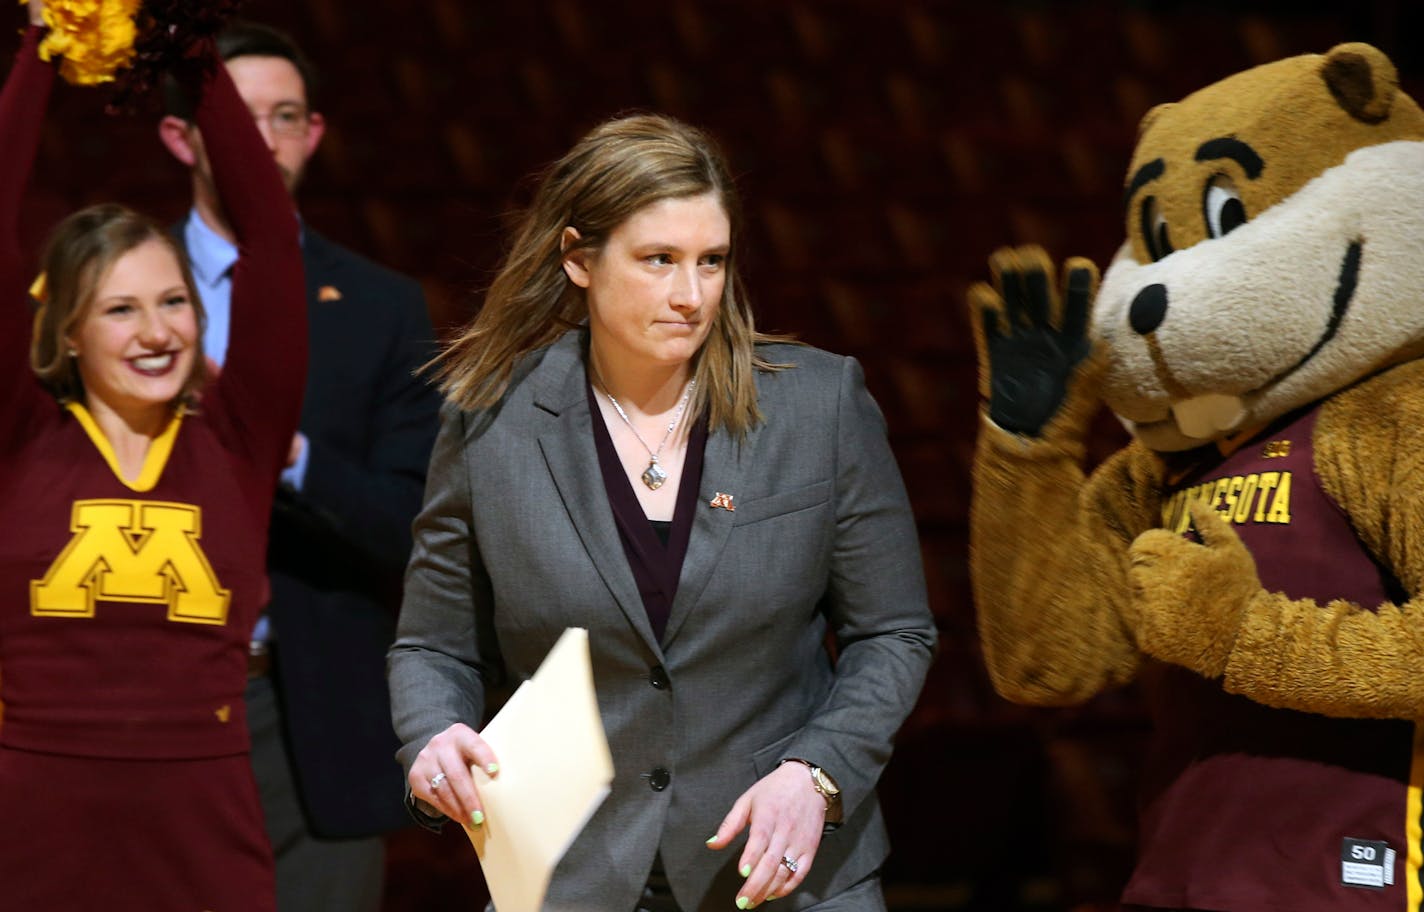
(1148, 309)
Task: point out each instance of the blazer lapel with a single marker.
(724, 469)
(568, 449)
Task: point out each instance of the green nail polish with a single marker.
(712, 840)
(743, 902)
(492, 768)
(477, 818)
(746, 871)
(771, 898)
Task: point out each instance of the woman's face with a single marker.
(654, 288)
(137, 341)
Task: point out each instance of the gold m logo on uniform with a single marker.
(133, 551)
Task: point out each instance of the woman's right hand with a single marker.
(37, 12)
(449, 756)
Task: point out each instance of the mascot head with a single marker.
(1275, 248)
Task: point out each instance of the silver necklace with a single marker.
(654, 475)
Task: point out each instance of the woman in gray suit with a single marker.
(622, 451)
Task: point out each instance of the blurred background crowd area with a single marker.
(884, 148)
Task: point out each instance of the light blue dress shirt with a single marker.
(211, 257)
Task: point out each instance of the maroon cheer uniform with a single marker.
(124, 780)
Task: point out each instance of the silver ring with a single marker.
(789, 863)
(436, 781)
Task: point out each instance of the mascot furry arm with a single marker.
(1075, 579)
(1049, 549)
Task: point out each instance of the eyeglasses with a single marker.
(289, 120)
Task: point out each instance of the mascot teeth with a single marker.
(1206, 417)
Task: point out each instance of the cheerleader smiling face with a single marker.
(136, 344)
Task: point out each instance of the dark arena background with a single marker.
(884, 148)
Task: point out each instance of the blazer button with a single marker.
(658, 677)
(659, 779)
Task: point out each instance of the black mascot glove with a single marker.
(1030, 337)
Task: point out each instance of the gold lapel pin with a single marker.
(722, 502)
(328, 293)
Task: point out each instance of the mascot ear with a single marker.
(1362, 79)
(1152, 116)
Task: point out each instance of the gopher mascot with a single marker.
(1255, 556)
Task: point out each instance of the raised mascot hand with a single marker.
(1031, 337)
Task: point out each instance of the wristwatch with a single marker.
(823, 783)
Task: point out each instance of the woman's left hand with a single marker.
(784, 817)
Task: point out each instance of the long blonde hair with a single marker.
(617, 169)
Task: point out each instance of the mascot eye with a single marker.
(1222, 207)
(1154, 229)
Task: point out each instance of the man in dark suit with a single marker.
(323, 749)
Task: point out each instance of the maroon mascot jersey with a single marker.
(1249, 807)
(127, 606)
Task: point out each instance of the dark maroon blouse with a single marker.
(656, 561)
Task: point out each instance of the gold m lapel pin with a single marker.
(723, 502)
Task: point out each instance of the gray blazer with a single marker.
(517, 541)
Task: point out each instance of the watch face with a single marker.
(825, 782)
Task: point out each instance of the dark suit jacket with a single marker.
(339, 545)
(516, 542)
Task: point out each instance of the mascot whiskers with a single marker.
(1255, 556)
